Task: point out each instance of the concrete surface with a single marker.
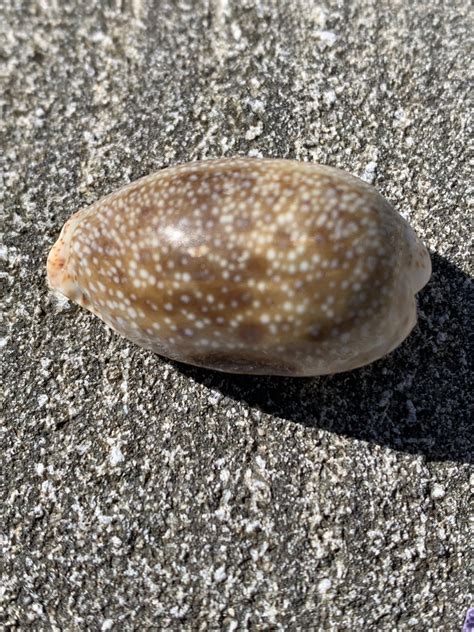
(137, 494)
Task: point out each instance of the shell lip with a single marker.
(58, 268)
(420, 260)
(421, 268)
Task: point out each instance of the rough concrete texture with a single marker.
(138, 494)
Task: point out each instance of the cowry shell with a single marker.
(243, 265)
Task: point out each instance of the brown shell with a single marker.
(247, 266)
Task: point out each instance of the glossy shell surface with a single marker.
(256, 266)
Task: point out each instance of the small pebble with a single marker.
(437, 491)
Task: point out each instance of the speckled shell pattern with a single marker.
(255, 266)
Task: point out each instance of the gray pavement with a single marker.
(139, 494)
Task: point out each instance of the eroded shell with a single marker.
(248, 266)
